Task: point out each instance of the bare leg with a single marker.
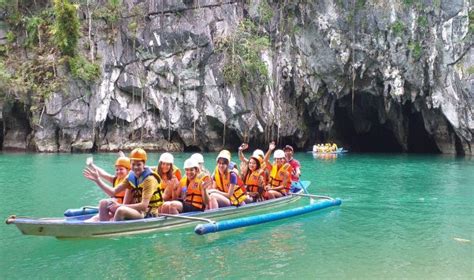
(164, 208)
(217, 200)
(274, 194)
(175, 207)
(127, 213)
(93, 219)
(104, 213)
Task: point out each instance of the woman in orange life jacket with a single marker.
(194, 191)
(259, 155)
(252, 176)
(174, 169)
(225, 191)
(122, 168)
(279, 180)
(142, 183)
(169, 183)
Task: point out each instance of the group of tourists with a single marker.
(139, 191)
(325, 148)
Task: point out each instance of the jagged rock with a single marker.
(339, 72)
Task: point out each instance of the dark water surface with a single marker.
(403, 216)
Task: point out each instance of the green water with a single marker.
(400, 218)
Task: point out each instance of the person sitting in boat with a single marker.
(334, 147)
(295, 165)
(200, 159)
(193, 188)
(169, 181)
(279, 182)
(175, 169)
(253, 179)
(143, 184)
(258, 154)
(225, 191)
(122, 168)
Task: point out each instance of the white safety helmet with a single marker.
(191, 163)
(198, 157)
(258, 153)
(167, 158)
(278, 154)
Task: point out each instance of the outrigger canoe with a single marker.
(76, 227)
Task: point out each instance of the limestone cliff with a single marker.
(368, 74)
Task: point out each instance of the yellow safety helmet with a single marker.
(138, 154)
(123, 162)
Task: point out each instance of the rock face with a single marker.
(370, 75)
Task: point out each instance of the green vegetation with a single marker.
(66, 27)
(83, 69)
(265, 11)
(398, 28)
(416, 50)
(470, 71)
(471, 21)
(359, 4)
(244, 66)
(46, 35)
(422, 21)
(110, 12)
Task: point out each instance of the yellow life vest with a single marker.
(137, 184)
(276, 176)
(223, 184)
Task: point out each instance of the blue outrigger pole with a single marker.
(259, 219)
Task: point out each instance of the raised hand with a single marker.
(244, 146)
(91, 174)
(272, 146)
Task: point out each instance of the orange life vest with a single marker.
(177, 172)
(193, 192)
(276, 176)
(121, 195)
(252, 182)
(223, 184)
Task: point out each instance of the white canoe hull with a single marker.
(75, 227)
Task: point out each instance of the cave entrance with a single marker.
(419, 141)
(361, 129)
(1, 135)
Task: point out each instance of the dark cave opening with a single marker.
(361, 129)
(192, 149)
(419, 141)
(1, 135)
(378, 139)
(230, 138)
(15, 126)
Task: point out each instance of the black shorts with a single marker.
(191, 208)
